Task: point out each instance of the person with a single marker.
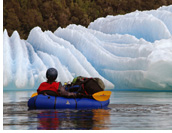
(53, 88)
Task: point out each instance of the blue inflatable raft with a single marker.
(51, 102)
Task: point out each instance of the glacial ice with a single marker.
(131, 51)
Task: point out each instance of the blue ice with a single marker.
(131, 51)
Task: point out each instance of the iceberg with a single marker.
(128, 52)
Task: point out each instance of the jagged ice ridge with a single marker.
(132, 51)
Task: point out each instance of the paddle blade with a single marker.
(102, 95)
(34, 94)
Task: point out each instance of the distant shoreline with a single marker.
(49, 15)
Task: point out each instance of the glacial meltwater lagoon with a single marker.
(131, 51)
(128, 110)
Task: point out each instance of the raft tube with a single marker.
(52, 102)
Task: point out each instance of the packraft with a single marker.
(86, 86)
(51, 102)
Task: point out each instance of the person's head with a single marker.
(51, 74)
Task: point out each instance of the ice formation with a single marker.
(132, 51)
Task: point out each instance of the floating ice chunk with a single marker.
(132, 51)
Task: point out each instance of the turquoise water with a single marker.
(127, 111)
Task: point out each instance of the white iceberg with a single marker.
(132, 51)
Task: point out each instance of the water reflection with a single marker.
(73, 119)
(48, 120)
(101, 118)
(128, 110)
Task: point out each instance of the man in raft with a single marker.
(53, 88)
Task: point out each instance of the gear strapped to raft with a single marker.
(85, 86)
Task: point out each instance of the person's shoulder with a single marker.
(58, 83)
(43, 83)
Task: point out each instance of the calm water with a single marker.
(127, 111)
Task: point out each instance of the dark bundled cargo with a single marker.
(85, 85)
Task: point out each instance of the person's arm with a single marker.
(65, 93)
